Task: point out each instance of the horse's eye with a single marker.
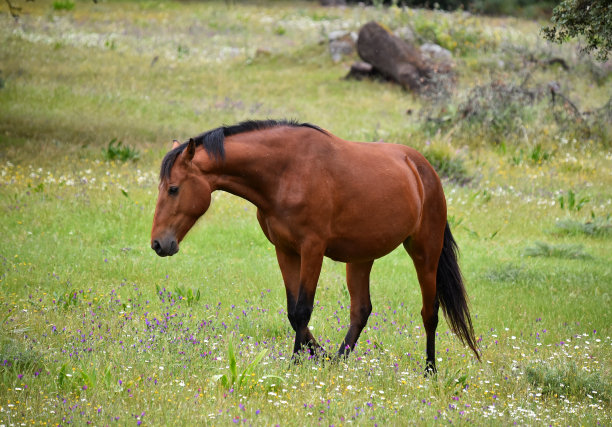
(173, 191)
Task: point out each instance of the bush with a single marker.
(568, 380)
(63, 5)
(597, 227)
(568, 251)
(447, 166)
(117, 151)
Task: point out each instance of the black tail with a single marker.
(452, 295)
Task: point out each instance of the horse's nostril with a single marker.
(156, 246)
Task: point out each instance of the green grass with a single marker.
(567, 379)
(569, 251)
(595, 226)
(96, 328)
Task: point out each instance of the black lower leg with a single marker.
(431, 325)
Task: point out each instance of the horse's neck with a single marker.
(251, 167)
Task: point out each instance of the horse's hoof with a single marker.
(430, 369)
(317, 354)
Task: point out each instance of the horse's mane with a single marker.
(212, 140)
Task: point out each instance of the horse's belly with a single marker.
(369, 228)
(368, 245)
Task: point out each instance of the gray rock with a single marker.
(342, 44)
(436, 53)
(406, 34)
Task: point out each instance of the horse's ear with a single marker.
(190, 151)
(175, 144)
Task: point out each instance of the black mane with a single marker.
(212, 141)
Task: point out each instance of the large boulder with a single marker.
(427, 70)
(393, 57)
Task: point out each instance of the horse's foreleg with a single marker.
(358, 282)
(300, 275)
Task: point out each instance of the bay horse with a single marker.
(318, 195)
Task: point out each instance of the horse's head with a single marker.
(184, 196)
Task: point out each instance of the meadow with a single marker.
(96, 329)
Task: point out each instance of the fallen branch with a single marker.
(13, 10)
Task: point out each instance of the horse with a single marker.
(318, 196)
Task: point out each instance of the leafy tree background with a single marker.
(592, 19)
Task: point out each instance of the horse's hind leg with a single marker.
(425, 258)
(358, 282)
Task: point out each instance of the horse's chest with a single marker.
(278, 231)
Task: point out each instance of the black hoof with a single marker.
(430, 369)
(317, 354)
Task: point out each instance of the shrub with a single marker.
(567, 380)
(117, 151)
(568, 251)
(599, 227)
(494, 112)
(572, 202)
(63, 5)
(498, 109)
(447, 166)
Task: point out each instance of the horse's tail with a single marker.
(452, 295)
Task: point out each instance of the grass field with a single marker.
(96, 329)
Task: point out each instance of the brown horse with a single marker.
(318, 195)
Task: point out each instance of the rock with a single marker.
(337, 34)
(360, 70)
(436, 53)
(333, 2)
(341, 43)
(263, 52)
(406, 34)
(394, 58)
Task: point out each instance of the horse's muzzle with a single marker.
(165, 247)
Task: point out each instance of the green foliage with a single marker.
(67, 299)
(572, 202)
(567, 380)
(15, 357)
(596, 226)
(182, 51)
(591, 19)
(567, 251)
(536, 155)
(188, 294)
(247, 378)
(539, 154)
(90, 378)
(497, 110)
(447, 166)
(525, 8)
(63, 5)
(508, 272)
(117, 151)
